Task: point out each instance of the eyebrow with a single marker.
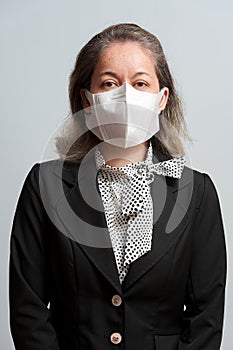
(116, 76)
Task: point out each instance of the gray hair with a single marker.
(173, 129)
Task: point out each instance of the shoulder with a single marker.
(53, 169)
(43, 185)
(203, 185)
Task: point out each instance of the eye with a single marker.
(108, 85)
(140, 85)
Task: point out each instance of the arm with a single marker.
(30, 319)
(203, 317)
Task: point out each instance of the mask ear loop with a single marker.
(88, 95)
(89, 98)
(161, 94)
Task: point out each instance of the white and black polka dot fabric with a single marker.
(128, 205)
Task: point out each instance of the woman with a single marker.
(118, 244)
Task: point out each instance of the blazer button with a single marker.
(116, 338)
(116, 300)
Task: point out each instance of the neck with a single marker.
(118, 157)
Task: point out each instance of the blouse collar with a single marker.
(101, 163)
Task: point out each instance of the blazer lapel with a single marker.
(82, 212)
(87, 225)
(170, 220)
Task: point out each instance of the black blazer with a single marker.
(64, 288)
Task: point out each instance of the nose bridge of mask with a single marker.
(107, 97)
(126, 93)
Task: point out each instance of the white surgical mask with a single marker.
(123, 117)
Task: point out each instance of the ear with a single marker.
(85, 102)
(164, 99)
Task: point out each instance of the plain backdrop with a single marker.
(39, 44)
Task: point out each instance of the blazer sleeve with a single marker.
(30, 318)
(203, 317)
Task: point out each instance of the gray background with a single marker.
(39, 43)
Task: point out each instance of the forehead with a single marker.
(127, 53)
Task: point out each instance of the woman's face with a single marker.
(125, 62)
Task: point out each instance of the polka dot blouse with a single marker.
(128, 207)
